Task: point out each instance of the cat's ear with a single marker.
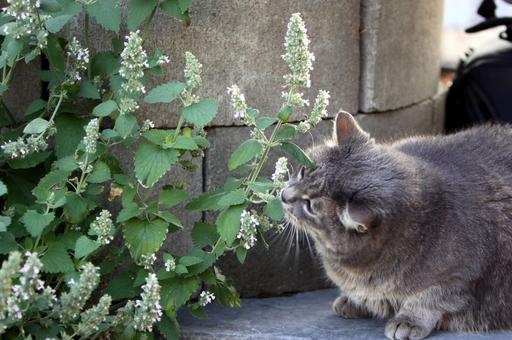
(356, 218)
(346, 128)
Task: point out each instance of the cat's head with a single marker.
(345, 202)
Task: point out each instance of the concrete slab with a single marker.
(298, 317)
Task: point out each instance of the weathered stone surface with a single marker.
(439, 109)
(290, 264)
(400, 52)
(25, 87)
(242, 42)
(179, 242)
(392, 125)
(302, 316)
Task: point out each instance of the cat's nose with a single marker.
(287, 195)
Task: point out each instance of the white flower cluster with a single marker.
(92, 133)
(72, 302)
(26, 21)
(147, 260)
(22, 147)
(248, 229)
(103, 227)
(298, 57)
(296, 99)
(124, 315)
(128, 105)
(318, 112)
(238, 102)
(148, 310)
(193, 70)
(163, 59)
(29, 287)
(78, 60)
(147, 125)
(206, 297)
(91, 319)
(134, 61)
(170, 264)
(280, 172)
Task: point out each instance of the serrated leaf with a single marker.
(201, 113)
(206, 201)
(228, 223)
(125, 124)
(143, 236)
(56, 259)
(29, 161)
(241, 254)
(244, 153)
(169, 328)
(204, 234)
(104, 64)
(107, 13)
(129, 212)
(297, 153)
(184, 143)
(35, 222)
(138, 11)
(100, 173)
(67, 163)
(55, 24)
(104, 109)
(36, 106)
(76, 208)
(70, 131)
(168, 198)
(85, 246)
(36, 126)
(233, 198)
(265, 122)
(152, 162)
(171, 218)
(274, 210)
(3, 189)
(176, 292)
(164, 93)
(286, 132)
(172, 8)
(5, 221)
(190, 260)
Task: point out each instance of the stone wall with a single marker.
(378, 58)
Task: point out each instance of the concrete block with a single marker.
(439, 109)
(392, 125)
(289, 265)
(25, 87)
(242, 42)
(179, 242)
(400, 52)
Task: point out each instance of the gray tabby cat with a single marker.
(418, 231)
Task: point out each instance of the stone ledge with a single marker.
(301, 316)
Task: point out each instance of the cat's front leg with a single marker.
(419, 314)
(347, 309)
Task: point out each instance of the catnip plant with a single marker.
(73, 265)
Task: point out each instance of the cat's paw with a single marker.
(344, 308)
(403, 328)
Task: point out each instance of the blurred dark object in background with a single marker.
(482, 87)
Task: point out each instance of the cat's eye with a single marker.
(306, 204)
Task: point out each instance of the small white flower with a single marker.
(193, 70)
(304, 126)
(134, 61)
(320, 108)
(163, 59)
(78, 60)
(127, 105)
(237, 101)
(147, 125)
(148, 309)
(147, 260)
(170, 264)
(248, 229)
(280, 172)
(206, 297)
(103, 227)
(91, 319)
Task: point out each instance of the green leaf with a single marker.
(168, 198)
(244, 153)
(35, 222)
(143, 236)
(29, 161)
(297, 153)
(164, 93)
(171, 218)
(157, 136)
(36, 106)
(104, 64)
(274, 210)
(104, 109)
(172, 8)
(85, 246)
(184, 143)
(107, 13)
(70, 131)
(228, 223)
(36, 126)
(285, 113)
(125, 124)
(204, 234)
(241, 254)
(206, 201)
(184, 5)
(88, 90)
(181, 269)
(152, 162)
(55, 53)
(176, 292)
(264, 122)
(286, 132)
(55, 24)
(100, 173)
(169, 328)
(129, 212)
(233, 198)
(138, 11)
(201, 113)
(188, 261)
(7, 243)
(5, 221)
(56, 259)
(76, 208)
(67, 163)
(3, 189)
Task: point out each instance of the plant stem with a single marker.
(178, 128)
(82, 176)
(145, 30)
